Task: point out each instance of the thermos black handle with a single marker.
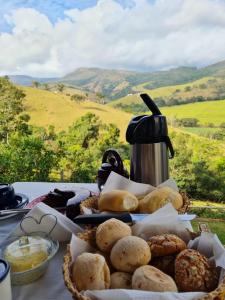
(114, 153)
(150, 104)
(170, 147)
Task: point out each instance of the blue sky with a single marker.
(54, 37)
(54, 9)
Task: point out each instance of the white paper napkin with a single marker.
(118, 182)
(42, 218)
(164, 220)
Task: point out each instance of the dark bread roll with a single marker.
(166, 244)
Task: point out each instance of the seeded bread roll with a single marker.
(166, 244)
(90, 272)
(193, 272)
(120, 280)
(109, 232)
(148, 278)
(130, 253)
(117, 200)
(158, 198)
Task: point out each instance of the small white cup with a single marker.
(5, 282)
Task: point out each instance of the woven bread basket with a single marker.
(89, 236)
(92, 203)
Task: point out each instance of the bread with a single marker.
(130, 253)
(149, 278)
(90, 272)
(109, 232)
(166, 244)
(117, 200)
(166, 264)
(120, 280)
(193, 272)
(158, 198)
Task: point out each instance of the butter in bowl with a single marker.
(28, 257)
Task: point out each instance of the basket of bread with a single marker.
(145, 261)
(123, 195)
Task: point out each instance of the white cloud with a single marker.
(146, 36)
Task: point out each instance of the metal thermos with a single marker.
(150, 146)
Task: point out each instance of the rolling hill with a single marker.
(48, 108)
(115, 84)
(57, 109)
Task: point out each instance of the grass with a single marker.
(167, 91)
(171, 91)
(215, 227)
(202, 131)
(205, 112)
(48, 108)
(207, 203)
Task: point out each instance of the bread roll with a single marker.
(166, 244)
(109, 232)
(117, 200)
(90, 272)
(158, 198)
(120, 280)
(148, 278)
(193, 272)
(130, 253)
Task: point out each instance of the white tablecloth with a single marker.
(51, 285)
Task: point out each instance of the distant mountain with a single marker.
(27, 80)
(111, 83)
(114, 84)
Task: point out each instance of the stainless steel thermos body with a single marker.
(150, 146)
(149, 163)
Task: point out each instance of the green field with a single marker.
(169, 90)
(215, 227)
(202, 131)
(174, 91)
(205, 112)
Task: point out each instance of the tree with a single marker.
(11, 106)
(77, 98)
(35, 84)
(82, 147)
(26, 158)
(187, 89)
(100, 97)
(60, 87)
(46, 87)
(187, 122)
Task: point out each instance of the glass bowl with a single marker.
(29, 256)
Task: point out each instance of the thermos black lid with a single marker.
(148, 129)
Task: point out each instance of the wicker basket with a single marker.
(92, 203)
(89, 236)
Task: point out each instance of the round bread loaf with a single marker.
(120, 280)
(109, 232)
(158, 198)
(193, 272)
(166, 244)
(129, 253)
(149, 278)
(117, 200)
(166, 264)
(90, 272)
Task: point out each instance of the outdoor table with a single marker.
(51, 285)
